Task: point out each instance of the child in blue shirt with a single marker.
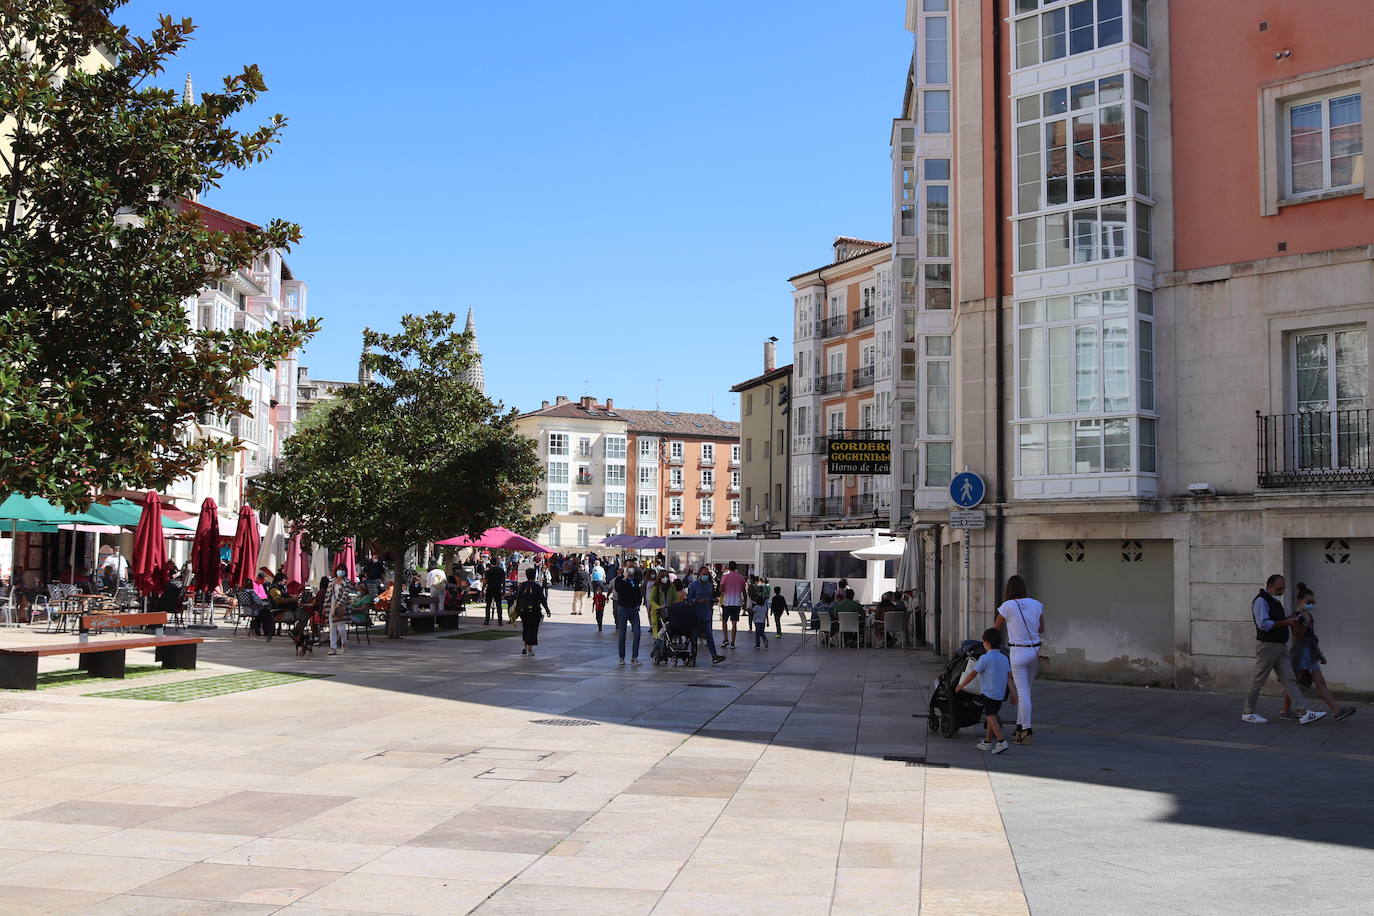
(993, 671)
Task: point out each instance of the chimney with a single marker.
(610, 404)
(770, 356)
(560, 399)
(543, 405)
(587, 402)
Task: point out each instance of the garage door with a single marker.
(1341, 573)
(1109, 608)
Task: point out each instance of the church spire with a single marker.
(187, 97)
(474, 376)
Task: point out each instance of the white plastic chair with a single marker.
(824, 621)
(894, 625)
(850, 623)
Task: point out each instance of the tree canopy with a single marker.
(414, 456)
(101, 368)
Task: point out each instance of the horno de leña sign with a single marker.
(859, 456)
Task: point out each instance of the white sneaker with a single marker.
(1000, 748)
(984, 745)
(1311, 716)
(1254, 719)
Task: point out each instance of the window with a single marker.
(708, 512)
(615, 504)
(558, 443)
(558, 472)
(938, 286)
(1331, 370)
(840, 564)
(648, 475)
(937, 111)
(1073, 29)
(584, 447)
(646, 531)
(734, 509)
(908, 282)
(784, 565)
(615, 447)
(675, 450)
(647, 448)
(615, 475)
(675, 477)
(908, 373)
(708, 479)
(558, 501)
(734, 454)
(1098, 234)
(554, 536)
(647, 505)
(1324, 147)
(908, 220)
(937, 398)
(748, 449)
(675, 508)
(781, 448)
(708, 451)
(939, 458)
(749, 404)
(937, 221)
(734, 479)
(937, 49)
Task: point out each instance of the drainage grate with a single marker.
(915, 761)
(564, 722)
(716, 686)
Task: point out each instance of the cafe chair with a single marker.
(850, 623)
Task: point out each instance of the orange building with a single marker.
(686, 473)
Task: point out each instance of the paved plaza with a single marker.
(438, 775)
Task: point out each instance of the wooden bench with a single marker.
(98, 622)
(102, 658)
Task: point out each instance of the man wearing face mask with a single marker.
(336, 611)
(702, 595)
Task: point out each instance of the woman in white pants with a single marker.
(1024, 620)
(336, 611)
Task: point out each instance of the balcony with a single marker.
(732, 521)
(830, 384)
(583, 480)
(833, 326)
(675, 518)
(804, 445)
(675, 460)
(864, 319)
(734, 462)
(863, 377)
(1314, 450)
(706, 488)
(584, 451)
(818, 506)
(733, 489)
(707, 461)
(674, 486)
(705, 519)
(863, 504)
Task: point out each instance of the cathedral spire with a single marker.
(187, 97)
(474, 376)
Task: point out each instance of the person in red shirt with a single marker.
(732, 588)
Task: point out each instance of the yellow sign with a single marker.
(859, 456)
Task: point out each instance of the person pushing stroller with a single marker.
(993, 670)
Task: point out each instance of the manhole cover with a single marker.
(564, 722)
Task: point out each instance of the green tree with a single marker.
(416, 455)
(101, 370)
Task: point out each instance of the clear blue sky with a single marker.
(620, 189)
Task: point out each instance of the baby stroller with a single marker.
(951, 711)
(679, 639)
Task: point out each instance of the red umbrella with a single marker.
(297, 565)
(150, 551)
(205, 565)
(243, 558)
(496, 539)
(347, 560)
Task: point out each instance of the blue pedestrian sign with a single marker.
(967, 490)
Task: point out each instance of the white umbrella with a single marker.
(888, 549)
(319, 564)
(908, 570)
(272, 554)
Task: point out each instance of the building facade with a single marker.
(846, 376)
(687, 473)
(1159, 354)
(765, 410)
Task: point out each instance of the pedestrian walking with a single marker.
(496, 584)
(1307, 657)
(1272, 626)
(532, 605)
(779, 607)
(599, 604)
(663, 594)
(701, 594)
(336, 611)
(995, 679)
(581, 584)
(732, 597)
(1023, 619)
(437, 581)
(627, 595)
(758, 617)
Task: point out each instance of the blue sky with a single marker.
(620, 189)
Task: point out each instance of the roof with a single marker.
(674, 423)
(853, 241)
(214, 219)
(777, 373)
(852, 257)
(573, 410)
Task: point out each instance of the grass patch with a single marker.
(200, 688)
(484, 635)
(47, 680)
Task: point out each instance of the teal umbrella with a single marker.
(127, 513)
(17, 508)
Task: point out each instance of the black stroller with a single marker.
(951, 711)
(679, 640)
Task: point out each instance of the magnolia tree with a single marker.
(101, 370)
(416, 455)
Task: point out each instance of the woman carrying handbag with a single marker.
(1023, 618)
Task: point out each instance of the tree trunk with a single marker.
(394, 625)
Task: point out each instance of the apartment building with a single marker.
(765, 408)
(1160, 331)
(687, 477)
(844, 379)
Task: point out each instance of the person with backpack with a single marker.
(627, 595)
(531, 604)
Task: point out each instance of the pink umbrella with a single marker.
(244, 557)
(150, 551)
(205, 565)
(496, 539)
(297, 564)
(347, 559)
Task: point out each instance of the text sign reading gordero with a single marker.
(860, 456)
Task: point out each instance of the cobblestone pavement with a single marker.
(449, 776)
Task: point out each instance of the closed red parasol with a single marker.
(243, 559)
(205, 565)
(150, 550)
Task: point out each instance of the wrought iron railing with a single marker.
(831, 327)
(1314, 449)
(830, 384)
(863, 319)
(862, 504)
(863, 376)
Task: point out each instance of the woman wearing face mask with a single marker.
(663, 594)
(1307, 657)
(336, 611)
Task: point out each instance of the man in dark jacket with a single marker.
(1272, 624)
(495, 578)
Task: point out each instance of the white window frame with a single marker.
(559, 471)
(1324, 101)
(560, 444)
(615, 504)
(615, 448)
